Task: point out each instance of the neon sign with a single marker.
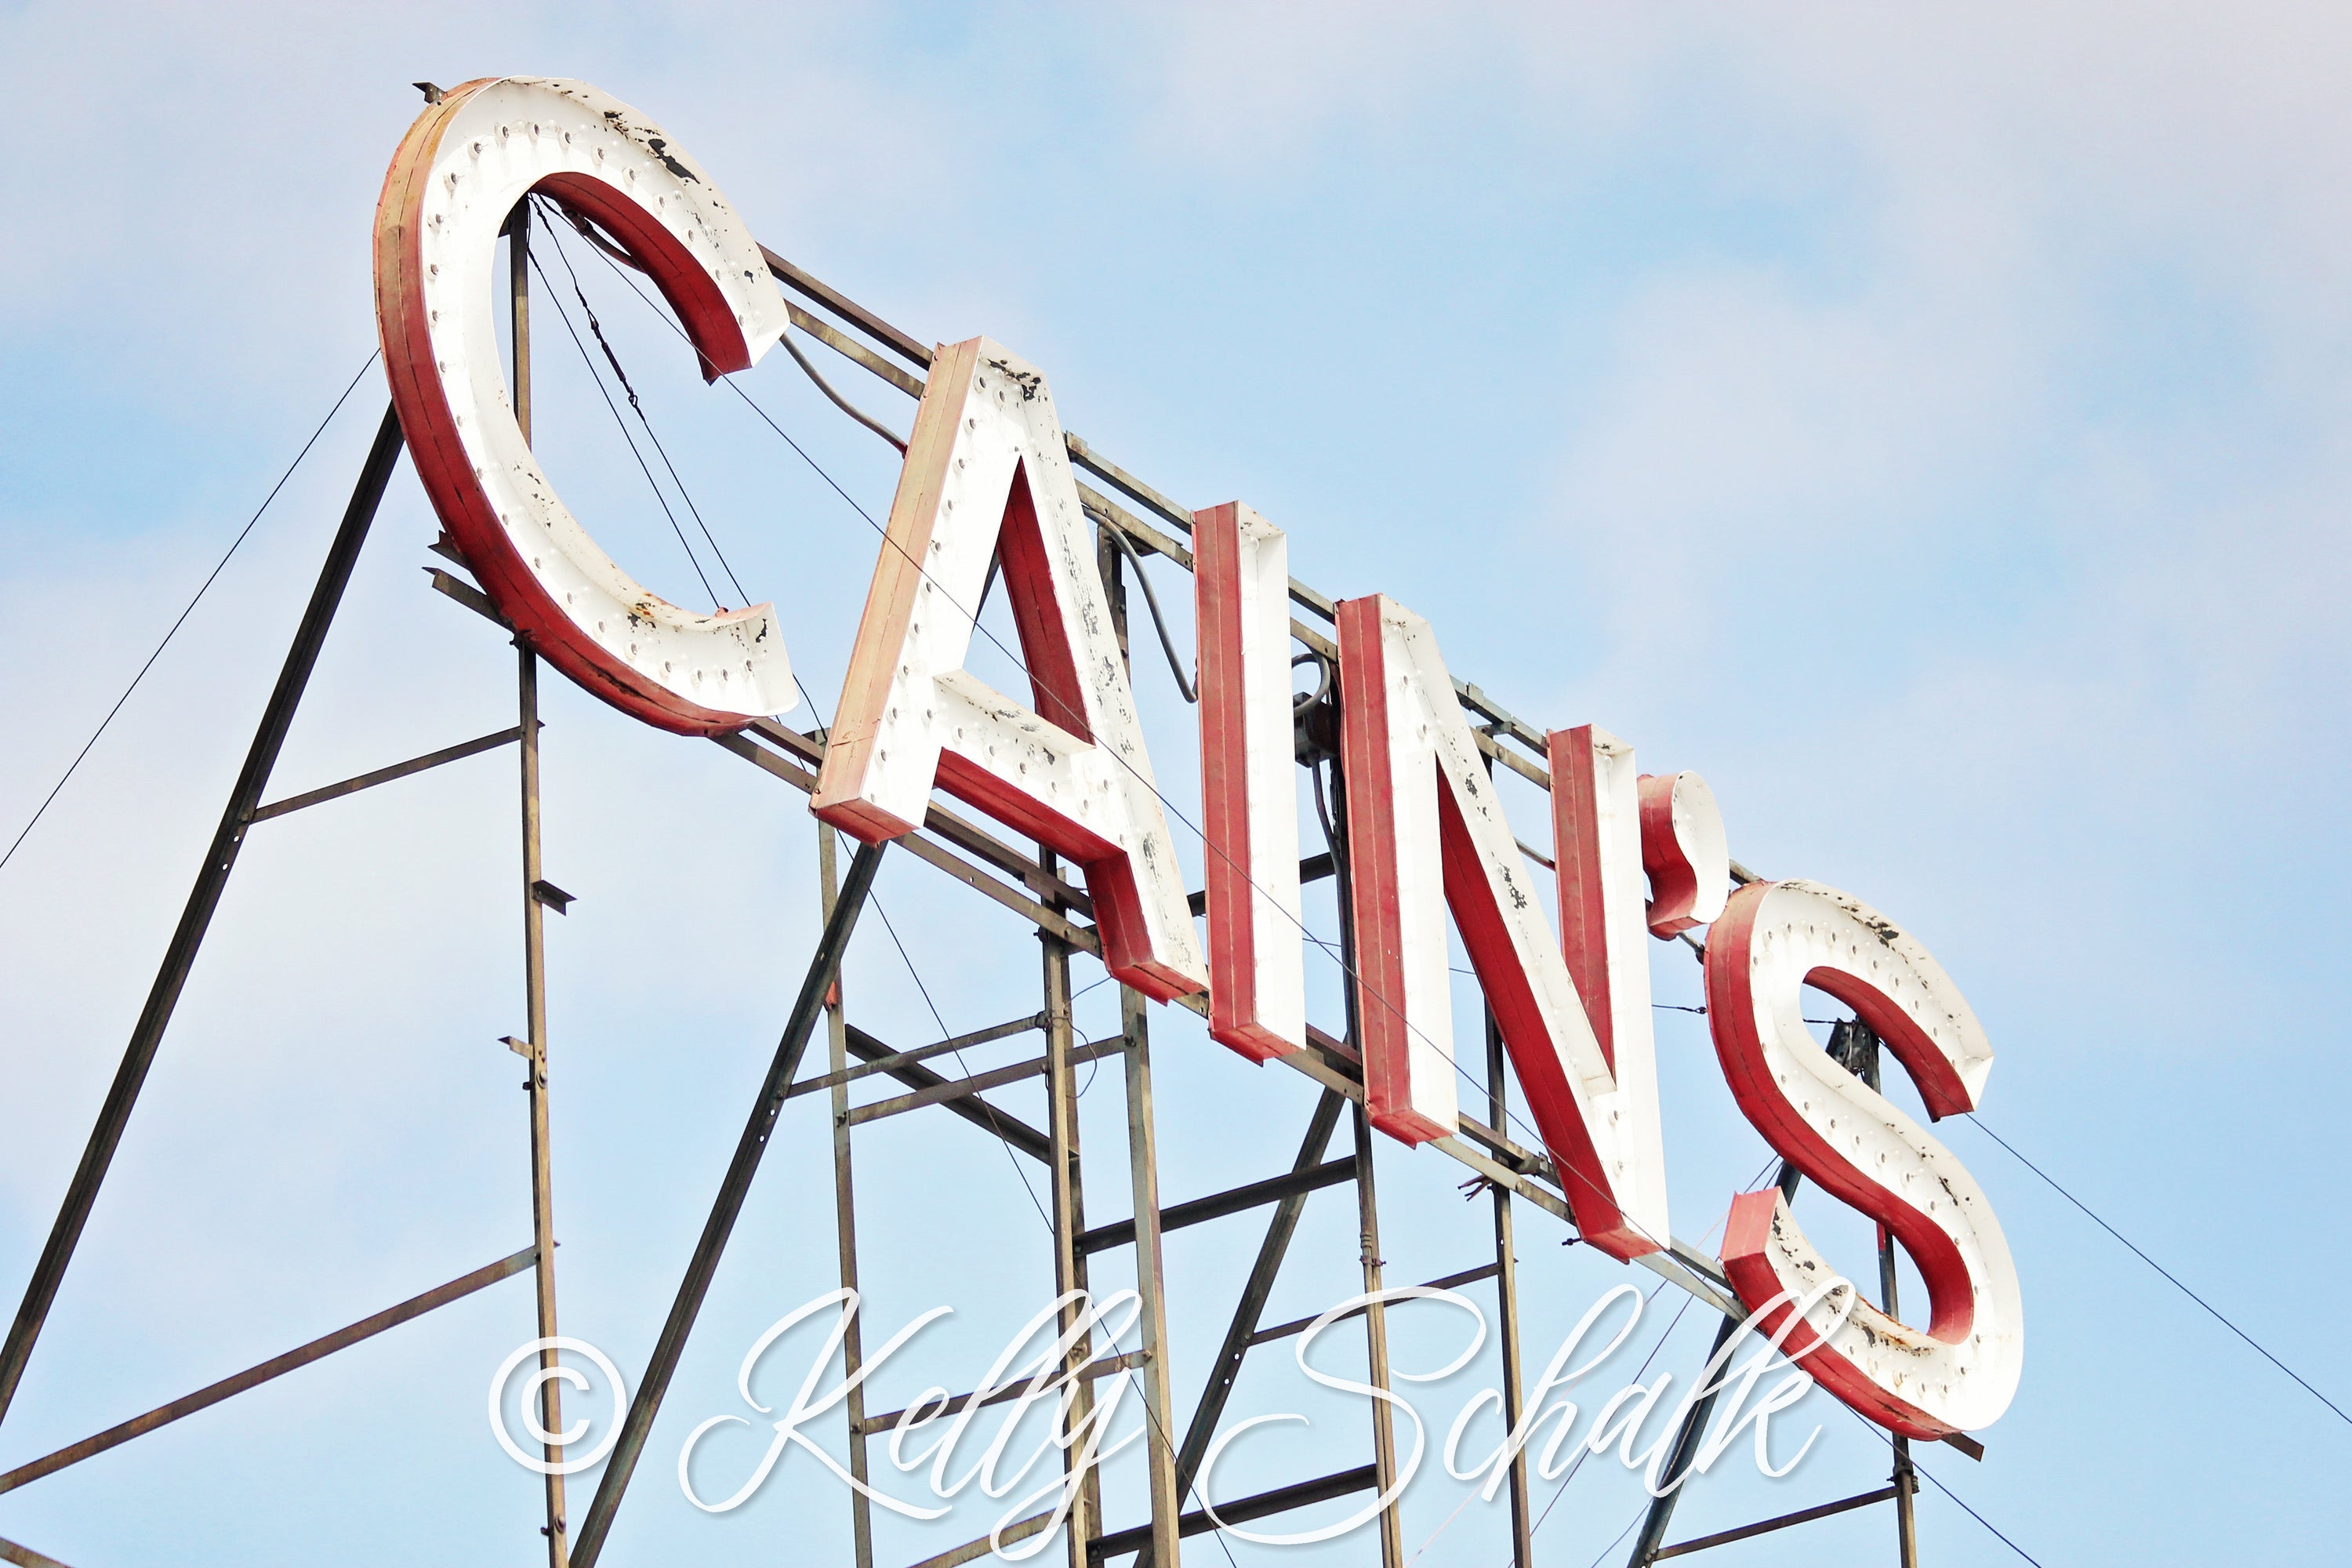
(987, 475)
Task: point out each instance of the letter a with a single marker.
(987, 473)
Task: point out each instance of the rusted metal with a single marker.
(1861, 1056)
(1100, 1367)
(973, 1551)
(1242, 1332)
(1376, 1342)
(1150, 1279)
(276, 1366)
(1442, 1282)
(958, 1088)
(1686, 1445)
(1506, 1312)
(1241, 1511)
(203, 898)
(850, 349)
(848, 309)
(26, 1557)
(845, 1204)
(1803, 1516)
(1232, 1200)
(534, 1049)
(823, 968)
(1066, 1205)
(1017, 1133)
(457, 753)
(849, 1075)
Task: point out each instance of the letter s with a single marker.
(1772, 940)
(459, 171)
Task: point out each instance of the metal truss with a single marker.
(1026, 879)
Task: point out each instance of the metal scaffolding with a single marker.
(1133, 520)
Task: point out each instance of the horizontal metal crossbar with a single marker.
(1298, 1325)
(1017, 1133)
(1194, 1211)
(1803, 1516)
(891, 1063)
(1281, 1499)
(973, 1551)
(277, 1366)
(1102, 1366)
(957, 1088)
(385, 776)
(1314, 869)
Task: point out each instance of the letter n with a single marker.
(1426, 833)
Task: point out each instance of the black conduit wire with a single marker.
(840, 402)
(1159, 622)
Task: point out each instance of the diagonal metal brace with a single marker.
(806, 1009)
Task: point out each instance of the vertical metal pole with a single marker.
(1150, 1279)
(1068, 1204)
(845, 1215)
(203, 898)
(1863, 1060)
(1376, 1327)
(1506, 1291)
(1376, 1340)
(543, 1180)
(534, 930)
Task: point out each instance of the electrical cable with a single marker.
(2170, 1278)
(660, 498)
(181, 620)
(1888, 1439)
(1171, 806)
(686, 496)
(1360, 982)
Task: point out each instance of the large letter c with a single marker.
(459, 171)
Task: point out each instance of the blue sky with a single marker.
(1928, 428)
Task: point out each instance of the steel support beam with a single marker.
(457, 753)
(1442, 1282)
(848, 1075)
(1066, 1204)
(1241, 1511)
(276, 1366)
(1803, 1516)
(1862, 1056)
(1017, 1133)
(1216, 1206)
(1506, 1306)
(1651, 1541)
(1150, 1280)
(589, 1541)
(26, 1557)
(1376, 1345)
(844, 1207)
(950, 1090)
(1239, 1333)
(220, 858)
